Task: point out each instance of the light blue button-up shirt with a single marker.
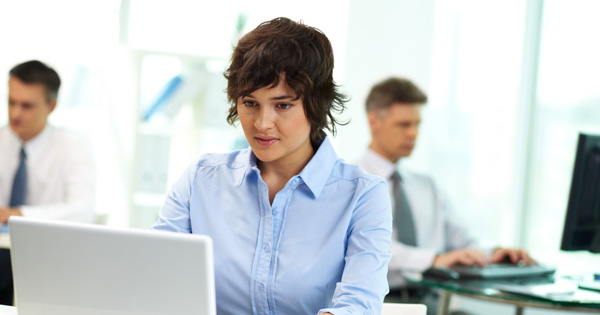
(322, 246)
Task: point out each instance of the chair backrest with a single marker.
(403, 309)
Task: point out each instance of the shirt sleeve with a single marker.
(364, 279)
(175, 213)
(79, 179)
(410, 258)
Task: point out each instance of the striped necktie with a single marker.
(19, 188)
(403, 218)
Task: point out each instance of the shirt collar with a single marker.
(36, 144)
(316, 173)
(381, 166)
(14, 140)
(243, 163)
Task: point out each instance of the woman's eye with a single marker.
(249, 103)
(284, 106)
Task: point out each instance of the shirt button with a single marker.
(267, 249)
(275, 210)
(261, 287)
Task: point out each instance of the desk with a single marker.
(484, 290)
(8, 310)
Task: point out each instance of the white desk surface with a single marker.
(8, 310)
(4, 242)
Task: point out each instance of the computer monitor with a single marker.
(582, 222)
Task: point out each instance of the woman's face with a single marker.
(275, 125)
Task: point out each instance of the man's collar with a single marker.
(39, 139)
(382, 166)
(33, 142)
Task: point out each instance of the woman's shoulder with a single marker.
(354, 172)
(219, 164)
(234, 159)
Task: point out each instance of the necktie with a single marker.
(403, 218)
(17, 196)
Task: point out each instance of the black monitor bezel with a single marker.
(586, 143)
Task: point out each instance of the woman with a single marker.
(295, 230)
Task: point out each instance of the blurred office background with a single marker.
(511, 84)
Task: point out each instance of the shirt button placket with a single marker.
(262, 273)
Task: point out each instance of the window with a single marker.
(568, 102)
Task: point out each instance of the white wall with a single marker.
(384, 38)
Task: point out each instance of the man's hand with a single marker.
(476, 257)
(511, 255)
(470, 256)
(5, 213)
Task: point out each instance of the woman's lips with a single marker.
(266, 141)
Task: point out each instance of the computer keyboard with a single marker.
(498, 271)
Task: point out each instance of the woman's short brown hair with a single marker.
(303, 54)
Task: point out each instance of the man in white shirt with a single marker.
(45, 172)
(439, 239)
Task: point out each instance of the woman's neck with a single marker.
(277, 173)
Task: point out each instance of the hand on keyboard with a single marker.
(468, 256)
(472, 256)
(515, 256)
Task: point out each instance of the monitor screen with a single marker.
(582, 222)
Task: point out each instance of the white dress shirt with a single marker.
(438, 229)
(60, 174)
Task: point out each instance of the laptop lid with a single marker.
(84, 269)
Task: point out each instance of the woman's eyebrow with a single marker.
(275, 98)
(282, 97)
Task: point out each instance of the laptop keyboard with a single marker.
(497, 271)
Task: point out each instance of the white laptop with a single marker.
(84, 269)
